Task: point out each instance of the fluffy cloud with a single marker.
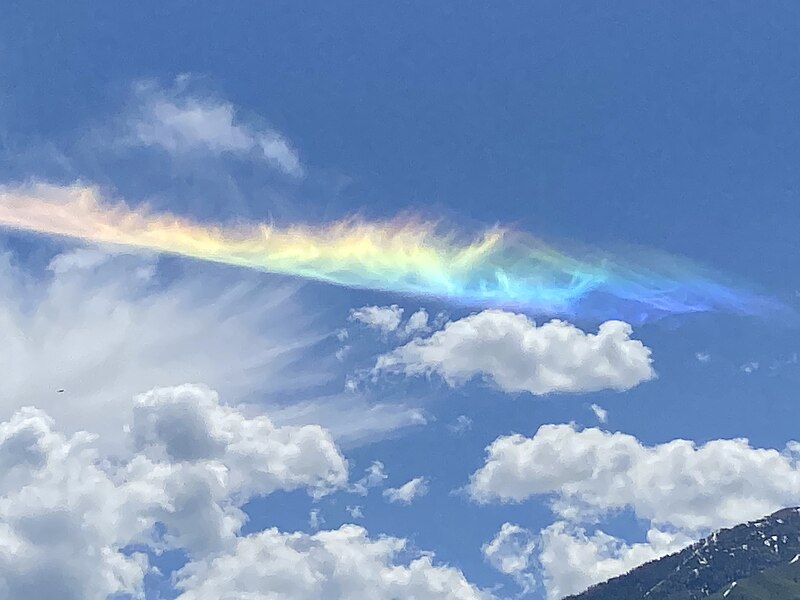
(180, 123)
(408, 492)
(342, 563)
(590, 472)
(63, 520)
(683, 490)
(205, 460)
(511, 552)
(417, 323)
(519, 356)
(375, 476)
(68, 512)
(572, 560)
(384, 318)
(188, 424)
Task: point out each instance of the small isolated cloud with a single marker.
(519, 356)
(180, 123)
(315, 520)
(408, 492)
(703, 357)
(355, 512)
(790, 360)
(600, 412)
(386, 319)
(461, 425)
(511, 552)
(749, 367)
(374, 476)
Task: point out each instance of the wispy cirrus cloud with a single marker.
(103, 326)
(181, 123)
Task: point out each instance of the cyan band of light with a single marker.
(498, 268)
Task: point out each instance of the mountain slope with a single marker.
(710, 566)
(778, 583)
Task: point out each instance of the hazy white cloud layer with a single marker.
(518, 355)
(105, 326)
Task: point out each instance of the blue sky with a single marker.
(624, 125)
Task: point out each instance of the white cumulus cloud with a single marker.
(512, 552)
(188, 424)
(572, 560)
(341, 563)
(691, 487)
(520, 356)
(417, 322)
(63, 520)
(67, 511)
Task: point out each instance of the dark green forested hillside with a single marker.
(779, 583)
